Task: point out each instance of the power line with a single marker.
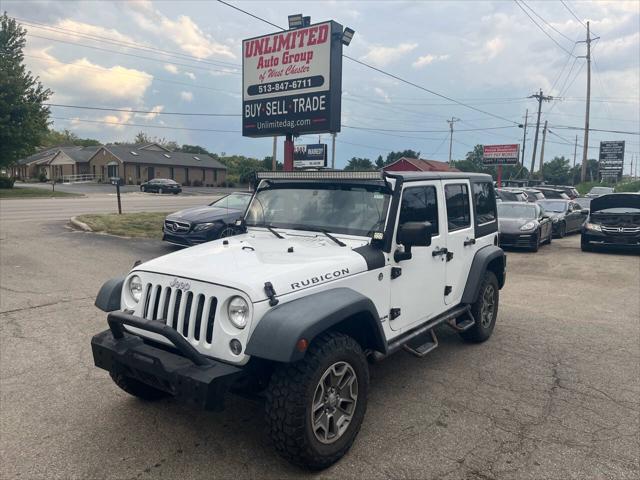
(563, 68)
(400, 79)
(143, 111)
(426, 131)
(134, 55)
(126, 124)
(622, 132)
(547, 23)
(542, 29)
(122, 43)
(574, 15)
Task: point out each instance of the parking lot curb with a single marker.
(78, 225)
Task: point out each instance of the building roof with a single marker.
(138, 154)
(77, 153)
(424, 165)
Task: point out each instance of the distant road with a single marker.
(105, 188)
(39, 210)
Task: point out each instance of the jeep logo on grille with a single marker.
(175, 283)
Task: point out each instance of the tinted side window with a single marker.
(420, 204)
(458, 213)
(485, 203)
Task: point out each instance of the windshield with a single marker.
(516, 211)
(234, 201)
(352, 210)
(556, 207)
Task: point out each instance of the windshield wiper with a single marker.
(325, 232)
(272, 230)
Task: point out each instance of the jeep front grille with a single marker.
(192, 314)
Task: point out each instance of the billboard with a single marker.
(306, 156)
(611, 159)
(292, 81)
(501, 154)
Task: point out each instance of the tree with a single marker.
(23, 117)
(54, 138)
(357, 163)
(557, 171)
(143, 139)
(379, 162)
(267, 163)
(393, 156)
(193, 149)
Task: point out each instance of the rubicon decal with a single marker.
(320, 279)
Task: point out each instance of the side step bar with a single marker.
(422, 340)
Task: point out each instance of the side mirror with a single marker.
(414, 234)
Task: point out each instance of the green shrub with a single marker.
(42, 177)
(628, 186)
(6, 182)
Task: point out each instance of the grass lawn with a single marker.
(142, 224)
(32, 192)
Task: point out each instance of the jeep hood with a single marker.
(300, 260)
(615, 200)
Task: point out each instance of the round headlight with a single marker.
(238, 311)
(135, 288)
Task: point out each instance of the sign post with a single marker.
(500, 155)
(292, 83)
(117, 181)
(611, 160)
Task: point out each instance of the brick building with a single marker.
(406, 164)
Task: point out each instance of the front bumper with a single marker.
(524, 240)
(190, 238)
(593, 237)
(183, 372)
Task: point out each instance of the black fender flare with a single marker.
(108, 299)
(277, 333)
(480, 264)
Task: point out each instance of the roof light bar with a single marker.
(321, 175)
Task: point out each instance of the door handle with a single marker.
(439, 251)
(469, 241)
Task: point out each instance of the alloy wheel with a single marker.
(334, 402)
(488, 306)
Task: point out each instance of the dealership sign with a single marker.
(501, 154)
(611, 159)
(306, 156)
(292, 81)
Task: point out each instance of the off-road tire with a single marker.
(480, 331)
(290, 394)
(137, 388)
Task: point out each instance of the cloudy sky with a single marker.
(185, 56)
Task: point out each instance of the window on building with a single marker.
(420, 204)
(458, 211)
(138, 176)
(112, 171)
(171, 173)
(485, 202)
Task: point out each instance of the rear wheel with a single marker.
(227, 232)
(136, 388)
(484, 310)
(315, 406)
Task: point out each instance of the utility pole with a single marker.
(524, 136)
(451, 122)
(333, 150)
(274, 162)
(575, 152)
(540, 97)
(544, 137)
(585, 149)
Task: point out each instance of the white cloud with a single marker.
(381, 93)
(190, 75)
(154, 113)
(490, 49)
(112, 121)
(186, 96)
(428, 59)
(95, 30)
(84, 80)
(183, 31)
(381, 56)
(171, 68)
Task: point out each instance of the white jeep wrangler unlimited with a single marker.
(330, 269)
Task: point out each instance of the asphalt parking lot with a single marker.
(555, 393)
